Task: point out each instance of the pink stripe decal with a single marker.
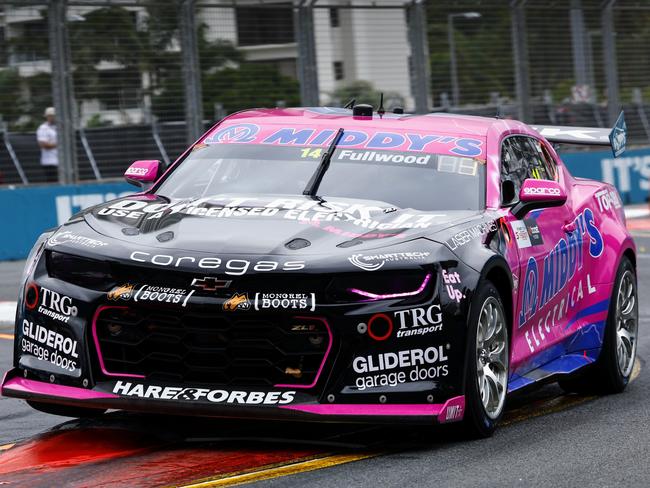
(99, 351)
(397, 409)
(40, 388)
(322, 364)
(364, 409)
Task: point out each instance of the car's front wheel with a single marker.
(486, 368)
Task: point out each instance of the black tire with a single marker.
(65, 410)
(477, 422)
(604, 376)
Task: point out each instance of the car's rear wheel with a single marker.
(612, 371)
(486, 367)
(65, 410)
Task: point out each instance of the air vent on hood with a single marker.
(353, 242)
(298, 243)
(165, 236)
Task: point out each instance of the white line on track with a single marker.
(7, 312)
(636, 212)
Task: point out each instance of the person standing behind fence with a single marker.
(46, 136)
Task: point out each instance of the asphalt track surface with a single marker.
(546, 439)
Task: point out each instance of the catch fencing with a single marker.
(140, 79)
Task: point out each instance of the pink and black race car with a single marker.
(336, 265)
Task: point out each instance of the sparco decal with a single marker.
(135, 171)
(180, 393)
(373, 262)
(559, 265)
(414, 365)
(236, 267)
(47, 345)
(301, 210)
(285, 301)
(419, 321)
(50, 303)
(541, 190)
(68, 237)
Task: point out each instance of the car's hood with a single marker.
(265, 225)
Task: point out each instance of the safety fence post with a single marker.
(62, 91)
(609, 61)
(191, 70)
(303, 19)
(520, 54)
(579, 48)
(417, 25)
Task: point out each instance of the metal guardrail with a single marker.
(89, 153)
(14, 158)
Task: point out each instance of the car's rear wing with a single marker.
(615, 137)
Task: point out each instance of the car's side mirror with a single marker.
(536, 194)
(143, 173)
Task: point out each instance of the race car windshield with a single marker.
(410, 179)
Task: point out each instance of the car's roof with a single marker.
(457, 125)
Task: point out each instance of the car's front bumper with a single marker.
(303, 407)
(394, 358)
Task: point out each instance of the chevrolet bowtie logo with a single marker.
(210, 283)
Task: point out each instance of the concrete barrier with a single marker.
(28, 211)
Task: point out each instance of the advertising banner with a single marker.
(630, 172)
(31, 210)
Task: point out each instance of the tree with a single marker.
(226, 77)
(248, 85)
(123, 58)
(23, 98)
(108, 35)
(39, 88)
(483, 52)
(12, 101)
(167, 76)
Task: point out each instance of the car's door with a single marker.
(544, 239)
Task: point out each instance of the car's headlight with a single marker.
(87, 273)
(380, 286)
